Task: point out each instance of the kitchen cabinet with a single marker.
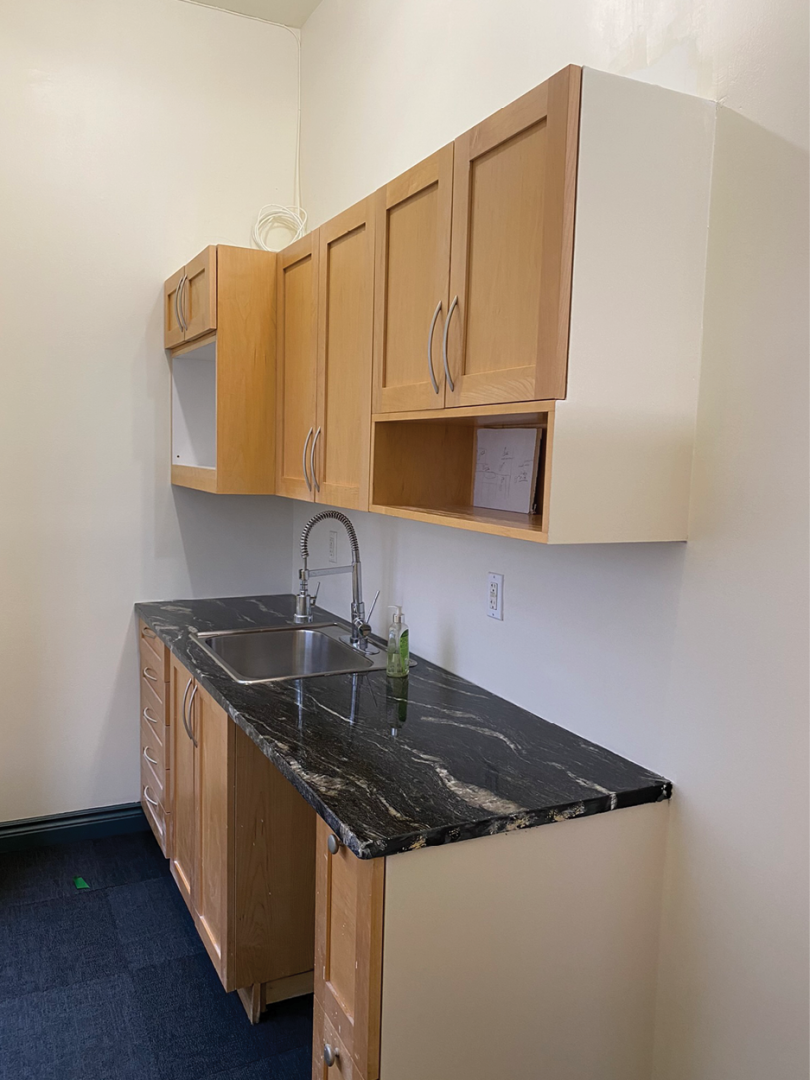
(412, 266)
(531, 953)
(219, 328)
(154, 676)
(242, 852)
(323, 437)
(576, 280)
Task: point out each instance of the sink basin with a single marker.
(288, 652)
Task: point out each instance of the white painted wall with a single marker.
(689, 658)
(133, 132)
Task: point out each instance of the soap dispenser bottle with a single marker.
(398, 659)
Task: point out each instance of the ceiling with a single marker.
(289, 12)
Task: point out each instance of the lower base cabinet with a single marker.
(243, 851)
(530, 954)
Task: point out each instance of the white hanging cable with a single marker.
(273, 215)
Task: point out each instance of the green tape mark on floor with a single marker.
(80, 883)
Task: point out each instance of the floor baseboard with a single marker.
(78, 825)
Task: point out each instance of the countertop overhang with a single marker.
(392, 771)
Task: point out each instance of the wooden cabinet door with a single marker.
(297, 361)
(412, 265)
(345, 317)
(199, 294)
(212, 880)
(184, 815)
(173, 333)
(348, 952)
(514, 186)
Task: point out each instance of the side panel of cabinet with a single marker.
(213, 881)
(512, 248)
(348, 951)
(297, 362)
(172, 330)
(184, 840)
(345, 317)
(412, 265)
(199, 295)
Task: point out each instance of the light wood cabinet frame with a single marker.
(412, 268)
(538, 210)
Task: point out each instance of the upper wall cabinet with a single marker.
(219, 325)
(508, 186)
(325, 326)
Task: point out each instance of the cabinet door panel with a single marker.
(512, 244)
(297, 359)
(348, 948)
(172, 330)
(413, 217)
(213, 732)
(199, 297)
(345, 304)
(181, 776)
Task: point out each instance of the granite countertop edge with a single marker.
(491, 825)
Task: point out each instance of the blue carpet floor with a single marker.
(112, 982)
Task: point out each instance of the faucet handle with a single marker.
(314, 596)
(373, 605)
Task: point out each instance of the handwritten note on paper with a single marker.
(506, 468)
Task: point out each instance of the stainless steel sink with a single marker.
(289, 652)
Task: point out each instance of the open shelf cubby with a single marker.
(194, 414)
(423, 467)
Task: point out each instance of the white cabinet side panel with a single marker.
(530, 954)
(624, 435)
(194, 407)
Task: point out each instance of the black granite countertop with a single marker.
(392, 771)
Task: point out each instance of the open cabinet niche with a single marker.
(194, 408)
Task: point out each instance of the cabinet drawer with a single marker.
(153, 806)
(153, 711)
(324, 1035)
(153, 752)
(153, 775)
(348, 948)
(151, 672)
(158, 655)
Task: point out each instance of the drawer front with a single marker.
(153, 712)
(158, 657)
(153, 752)
(152, 671)
(348, 949)
(153, 807)
(153, 776)
(327, 1044)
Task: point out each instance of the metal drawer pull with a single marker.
(146, 796)
(185, 718)
(153, 677)
(333, 844)
(430, 347)
(190, 707)
(330, 1055)
(453, 306)
(151, 760)
(312, 460)
(151, 719)
(304, 459)
(147, 633)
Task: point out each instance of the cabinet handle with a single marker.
(330, 1055)
(304, 459)
(181, 315)
(453, 306)
(151, 719)
(153, 677)
(146, 796)
(189, 732)
(430, 347)
(312, 460)
(151, 760)
(147, 633)
(333, 845)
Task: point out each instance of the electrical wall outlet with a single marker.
(333, 546)
(495, 596)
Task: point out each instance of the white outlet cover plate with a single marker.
(495, 596)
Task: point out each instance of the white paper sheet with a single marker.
(506, 468)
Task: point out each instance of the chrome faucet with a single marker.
(304, 601)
